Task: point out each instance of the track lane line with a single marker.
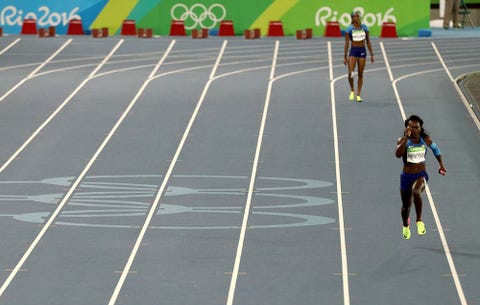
(392, 80)
(59, 108)
(451, 264)
(60, 206)
(166, 178)
(243, 230)
(459, 91)
(444, 65)
(465, 101)
(341, 218)
(248, 205)
(29, 76)
(272, 79)
(9, 46)
(84, 171)
(438, 223)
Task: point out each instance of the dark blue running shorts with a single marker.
(407, 180)
(358, 52)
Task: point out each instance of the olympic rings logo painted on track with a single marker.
(198, 15)
(122, 201)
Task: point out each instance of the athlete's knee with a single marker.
(360, 75)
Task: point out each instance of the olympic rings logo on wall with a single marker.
(198, 15)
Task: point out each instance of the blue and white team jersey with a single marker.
(416, 152)
(357, 34)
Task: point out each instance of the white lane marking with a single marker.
(446, 249)
(442, 62)
(72, 60)
(142, 55)
(465, 101)
(60, 205)
(425, 72)
(330, 61)
(459, 91)
(451, 264)
(341, 221)
(36, 70)
(240, 71)
(9, 46)
(243, 230)
(163, 186)
(392, 80)
(54, 114)
(69, 98)
(441, 232)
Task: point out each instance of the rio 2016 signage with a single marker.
(12, 16)
(409, 15)
(47, 13)
(325, 14)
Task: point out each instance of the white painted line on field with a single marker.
(392, 80)
(9, 46)
(341, 219)
(166, 178)
(465, 101)
(36, 70)
(444, 65)
(446, 248)
(60, 206)
(49, 222)
(54, 114)
(330, 61)
(243, 230)
(272, 79)
(441, 232)
(451, 264)
(459, 91)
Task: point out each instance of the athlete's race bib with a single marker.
(358, 35)
(416, 154)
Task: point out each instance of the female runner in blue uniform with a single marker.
(412, 147)
(358, 34)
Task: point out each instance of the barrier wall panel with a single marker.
(408, 15)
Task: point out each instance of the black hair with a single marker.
(416, 118)
(353, 14)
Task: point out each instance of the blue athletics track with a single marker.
(222, 171)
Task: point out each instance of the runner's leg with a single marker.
(352, 61)
(361, 67)
(406, 204)
(417, 189)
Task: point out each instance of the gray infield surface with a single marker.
(241, 149)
